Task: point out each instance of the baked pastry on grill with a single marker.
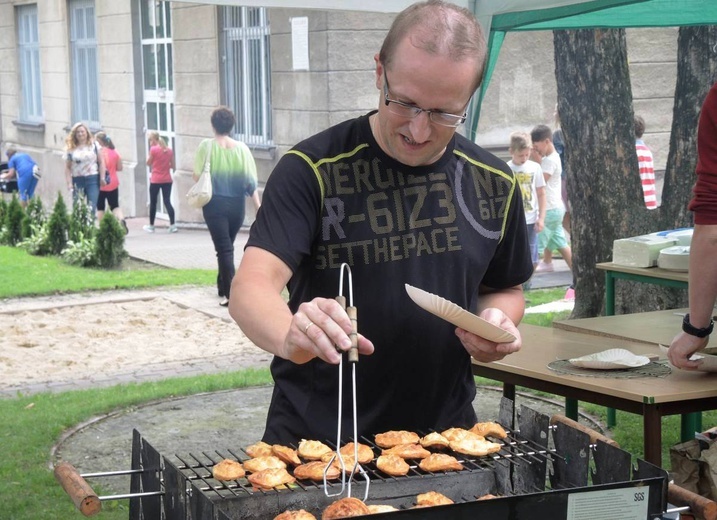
(392, 465)
(408, 451)
(228, 469)
(380, 508)
(264, 462)
(259, 449)
(345, 508)
(434, 440)
(301, 514)
(432, 498)
(286, 454)
(314, 470)
(488, 496)
(393, 438)
(365, 453)
(270, 478)
(312, 450)
(476, 446)
(455, 434)
(492, 429)
(440, 462)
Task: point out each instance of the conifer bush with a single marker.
(58, 227)
(109, 242)
(12, 223)
(34, 219)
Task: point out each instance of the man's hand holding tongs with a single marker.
(318, 329)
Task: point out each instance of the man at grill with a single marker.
(402, 198)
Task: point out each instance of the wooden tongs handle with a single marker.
(353, 336)
(77, 488)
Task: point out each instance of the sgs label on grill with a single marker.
(610, 504)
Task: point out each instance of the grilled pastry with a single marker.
(392, 465)
(440, 462)
(395, 437)
(378, 508)
(487, 497)
(264, 462)
(408, 451)
(365, 453)
(259, 449)
(228, 469)
(432, 498)
(345, 508)
(286, 454)
(477, 447)
(312, 450)
(270, 478)
(301, 514)
(455, 434)
(434, 440)
(315, 471)
(492, 429)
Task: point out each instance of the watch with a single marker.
(694, 331)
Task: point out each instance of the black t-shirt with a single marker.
(445, 228)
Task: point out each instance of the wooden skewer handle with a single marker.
(700, 506)
(77, 488)
(353, 352)
(594, 436)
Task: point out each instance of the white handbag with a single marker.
(201, 193)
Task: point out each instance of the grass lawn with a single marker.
(31, 425)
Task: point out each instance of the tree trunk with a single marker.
(596, 113)
(604, 190)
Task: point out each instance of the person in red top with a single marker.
(646, 165)
(697, 324)
(109, 193)
(161, 162)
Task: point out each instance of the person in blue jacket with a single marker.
(21, 167)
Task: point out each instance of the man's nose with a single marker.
(421, 127)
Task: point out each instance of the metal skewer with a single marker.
(353, 359)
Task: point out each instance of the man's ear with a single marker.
(379, 72)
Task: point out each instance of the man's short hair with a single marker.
(519, 141)
(639, 126)
(541, 133)
(442, 28)
(11, 150)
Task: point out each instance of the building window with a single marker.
(28, 47)
(83, 48)
(247, 72)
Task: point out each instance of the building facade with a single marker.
(131, 66)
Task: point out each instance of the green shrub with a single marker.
(80, 252)
(36, 243)
(109, 242)
(12, 223)
(3, 210)
(58, 227)
(82, 222)
(34, 219)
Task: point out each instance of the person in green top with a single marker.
(233, 174)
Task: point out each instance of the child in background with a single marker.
(529, 175)
(109, 194)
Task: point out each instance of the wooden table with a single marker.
(656, 328)
(680, 392)
(653, 275)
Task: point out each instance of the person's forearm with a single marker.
(511, 301)
(703, 275)
(68, 176)
(258, 308)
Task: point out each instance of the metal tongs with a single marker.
(353, 359)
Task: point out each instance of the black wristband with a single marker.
(694, 331)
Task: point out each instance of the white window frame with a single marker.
(29, 74)
(84, 70)
(246, 60)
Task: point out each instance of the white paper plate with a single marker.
(458, 316)
(610, 360)
(709, 362)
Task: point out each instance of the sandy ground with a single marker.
(58, 339)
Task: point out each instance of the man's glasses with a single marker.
(410, 111)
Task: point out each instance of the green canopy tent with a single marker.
(501, 16)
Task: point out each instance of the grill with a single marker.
(548, 467)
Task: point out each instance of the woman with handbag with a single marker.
(232, 170)
(84, 165)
